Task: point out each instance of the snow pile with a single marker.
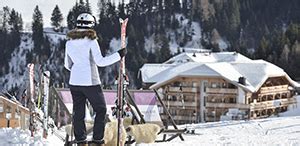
(17, 136)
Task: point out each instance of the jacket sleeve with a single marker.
(68, 61)
(99, 59)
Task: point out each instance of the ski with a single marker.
(121, 83)
(46, 79)
(30, 101)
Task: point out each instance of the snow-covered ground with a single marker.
(279, 131)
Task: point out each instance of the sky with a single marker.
(26, 7)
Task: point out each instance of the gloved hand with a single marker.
(122, 52)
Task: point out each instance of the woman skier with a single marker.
(82, 58)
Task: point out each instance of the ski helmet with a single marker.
(85, 20)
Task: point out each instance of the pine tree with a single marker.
(162, 49)
(56, 18)
(260, 52)
(88, 7)
(71, 20)
(5, 19)
(176, 6)
(15, 21)
(16, 25)
(37, 29)
(293, 32)
(284, 57)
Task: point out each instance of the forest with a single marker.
(259, 29)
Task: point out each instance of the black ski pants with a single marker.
(95, 96)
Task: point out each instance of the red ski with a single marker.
(121, 83)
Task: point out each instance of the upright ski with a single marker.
(121, 83)
(30, 103)
(46, 79)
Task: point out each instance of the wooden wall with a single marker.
(13, 114)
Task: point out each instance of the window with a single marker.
(215, 85)
(224, 85)
(232, 100)
(205, 84)
(284, 95)
(277, 96)
(231, 86)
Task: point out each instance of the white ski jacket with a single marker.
(83, 56)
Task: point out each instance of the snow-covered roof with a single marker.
(256, 73)
(186, 69)
(194, 69)
(227, 65)
(207, 57)
(149, 70)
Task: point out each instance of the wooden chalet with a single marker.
(205, 87)
(13, 114)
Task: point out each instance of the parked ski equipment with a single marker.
(121, 83)
(46, 79)
(31, 101)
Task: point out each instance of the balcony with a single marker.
(274, 89)
(180, 104)
(227, 105)
(184, 89)
(186, 117)
(272, 104)
(221, 91)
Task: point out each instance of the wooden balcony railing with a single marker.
(227, 105)
(221, 91)
(186, 117)
(272, 104)
(179, 103)
(184, 89)
(274, 89)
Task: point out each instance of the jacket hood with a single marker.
(82, 33)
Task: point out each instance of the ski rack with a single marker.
(165, 131)
(138, 118)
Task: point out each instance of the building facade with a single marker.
(206, 87)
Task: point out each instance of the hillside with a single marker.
(268, 30)
(17, 77)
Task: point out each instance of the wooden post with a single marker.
(168, 113)
(131, 101)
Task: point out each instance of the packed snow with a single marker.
(272, 131)
(280, 131)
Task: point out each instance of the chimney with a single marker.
(242, 80)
